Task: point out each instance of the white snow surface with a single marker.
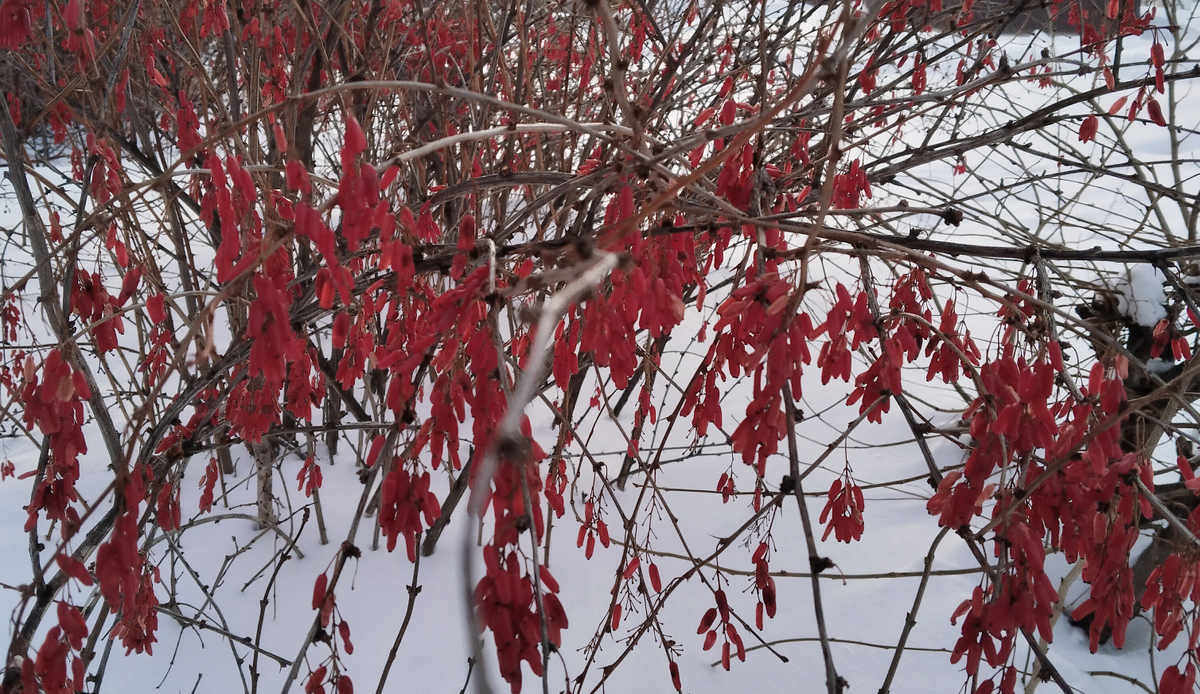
(1142, 297)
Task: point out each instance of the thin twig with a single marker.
(833, 683)
(413, 591)
(910, 620)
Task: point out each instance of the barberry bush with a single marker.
(705, 284)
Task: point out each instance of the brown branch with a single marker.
(833, 683)
(413, 591)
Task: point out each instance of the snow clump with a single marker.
(1141, 296)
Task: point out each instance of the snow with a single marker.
(1159, 366)
(1142, 298)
